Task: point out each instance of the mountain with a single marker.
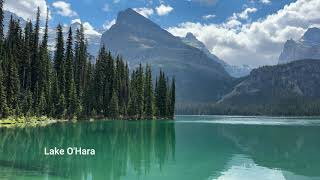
(6, 20)
(93, 39)
(295, 84)
(139, 40)
(234, 71)
(308, 47)
(191, 40)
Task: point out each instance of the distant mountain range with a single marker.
(139, 40)
(308, 47)
(234, 71)
(292, 86)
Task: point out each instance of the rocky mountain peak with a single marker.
(130, 17)
(312, 35)
(190, 36)
(308, 47)
(139, 40)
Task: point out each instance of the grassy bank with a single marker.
(13, 121)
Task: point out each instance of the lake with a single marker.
(189, 148)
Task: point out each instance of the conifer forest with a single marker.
(65, 83)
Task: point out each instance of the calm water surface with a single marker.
(189, 148)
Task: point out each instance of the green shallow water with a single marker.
(189, 148)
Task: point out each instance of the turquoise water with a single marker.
(189, 148)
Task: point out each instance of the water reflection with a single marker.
(120, 146)
(242, 151)
(292, 149)
(168, 150)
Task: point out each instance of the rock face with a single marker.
(191, 40)
(308, 47)
(272, 84)
(234, 71)
(139, 40)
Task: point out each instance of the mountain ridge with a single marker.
(272, 84)
(234, 71)
(139, 40)
(307, 47)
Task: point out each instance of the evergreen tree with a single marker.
(108, 85)
(172, 98)
(161, 95)
(41, 107)
(70, 94)
(140, 92)
(25, 66)
(12, 84)
(59, 64)
(132, 105)
(114, 106)
(60, 109)
(148, 94)
(80, 61)
(72, 101)
(99, 81)
(88, 101)
(12, 40)
(55, 95)
(3, 100)
(27, 103)
(1, 21)
(45, 71)
(35, 59)
(73, 108)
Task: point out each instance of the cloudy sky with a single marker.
(238, 31)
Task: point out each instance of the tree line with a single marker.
(67, 84)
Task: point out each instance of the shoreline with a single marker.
(33, 121)
(11, 122)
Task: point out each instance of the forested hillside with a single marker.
(66, 85)
(289, 89)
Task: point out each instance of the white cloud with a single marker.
(146, 12)
(163, 9)
(106, 7)
(116, 1)
(26, 8)
(232, 23)
(255, 43)
(107, 25)
(88, 28)
(76, 21)
(64, 9)
(265, 1)
(235, 20)
(209, 16)
(245, 14)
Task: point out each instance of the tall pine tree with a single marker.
(45, 72)
(3, 99)
(59, 64)
(148, 94)
(35, 59)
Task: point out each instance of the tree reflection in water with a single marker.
(120, 146)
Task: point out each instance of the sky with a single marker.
(240, 32)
